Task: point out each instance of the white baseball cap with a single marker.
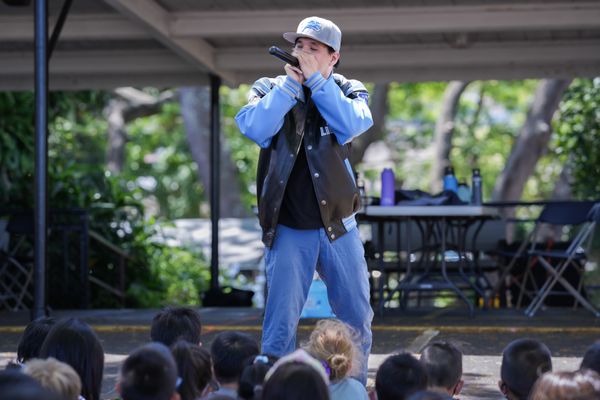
(319, 29)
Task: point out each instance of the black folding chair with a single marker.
(582, 216)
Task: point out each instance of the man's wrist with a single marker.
(291, 87)
(315, 81)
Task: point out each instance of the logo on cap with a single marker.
(313, 25)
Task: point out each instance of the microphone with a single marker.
(284, 56)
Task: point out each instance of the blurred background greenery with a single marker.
(160, 180)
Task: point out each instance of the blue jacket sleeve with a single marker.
(262, 117)
(347, 117)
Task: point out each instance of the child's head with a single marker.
(33, 336)
(443, 364)
(429, 395)
(149, 373)
(591, 358)
(176, 323)
(400, 376)
(229, 350)
(15, 385)
(74, 342)
(194, 367)
(297, 376)
(579, 385)
(523, 361)
(253, 376)
(55, 376)
(331, 342)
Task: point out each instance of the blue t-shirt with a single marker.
(348, 388)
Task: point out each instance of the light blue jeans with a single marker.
(290, 265)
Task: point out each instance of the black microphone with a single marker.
(284, 56)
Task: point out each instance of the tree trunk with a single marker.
(195, 110)
(444, 128)
(379, 109)
(129, 105)
(117, 135)
(532, 142)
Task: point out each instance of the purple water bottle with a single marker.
(387, 187)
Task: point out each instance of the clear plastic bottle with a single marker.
(476, 197)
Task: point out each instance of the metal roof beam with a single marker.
(369, 20)
(158, 20)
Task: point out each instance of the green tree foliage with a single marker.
(244, 152)
(577, 136)
(156, 274)
(160, 164)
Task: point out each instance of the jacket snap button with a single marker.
(316, 175)
(332, 236)
(309, 147)
(323, 202)
(329, 229)
(291, 154)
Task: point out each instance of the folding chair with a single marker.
(522, 258)
(581, 215)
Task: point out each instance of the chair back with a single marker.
(566, 213)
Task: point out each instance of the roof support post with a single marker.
(41, 158)
(215, 173)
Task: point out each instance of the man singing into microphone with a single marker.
(304, 122)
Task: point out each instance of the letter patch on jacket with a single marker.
(325, 130)
(363, 96)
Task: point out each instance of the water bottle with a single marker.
(463, 192)
(387, 187)
(476, 187)
(450, 182)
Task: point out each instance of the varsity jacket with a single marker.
(278, 116)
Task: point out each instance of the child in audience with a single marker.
(579, 385)
(253, 376)
(443, 364)
(15, 385)
(331, 343)
(229, 351)
(176, 323)
(297, 376)
(194, 367)
(74, 342)
(523, 361)
(400, 376)
(149, 373)
(55, 376)
(33, 336)
(429, 395)
(591, 358)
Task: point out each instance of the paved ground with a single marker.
(481, 337)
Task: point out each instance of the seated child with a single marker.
(56, 376)
(331, 343)
(443, 364)
(399, 377)
(523, 361)
(149, 373)
(579, 385)
(176, 323)
(297, 376)
(229, 351)
(194, 368)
